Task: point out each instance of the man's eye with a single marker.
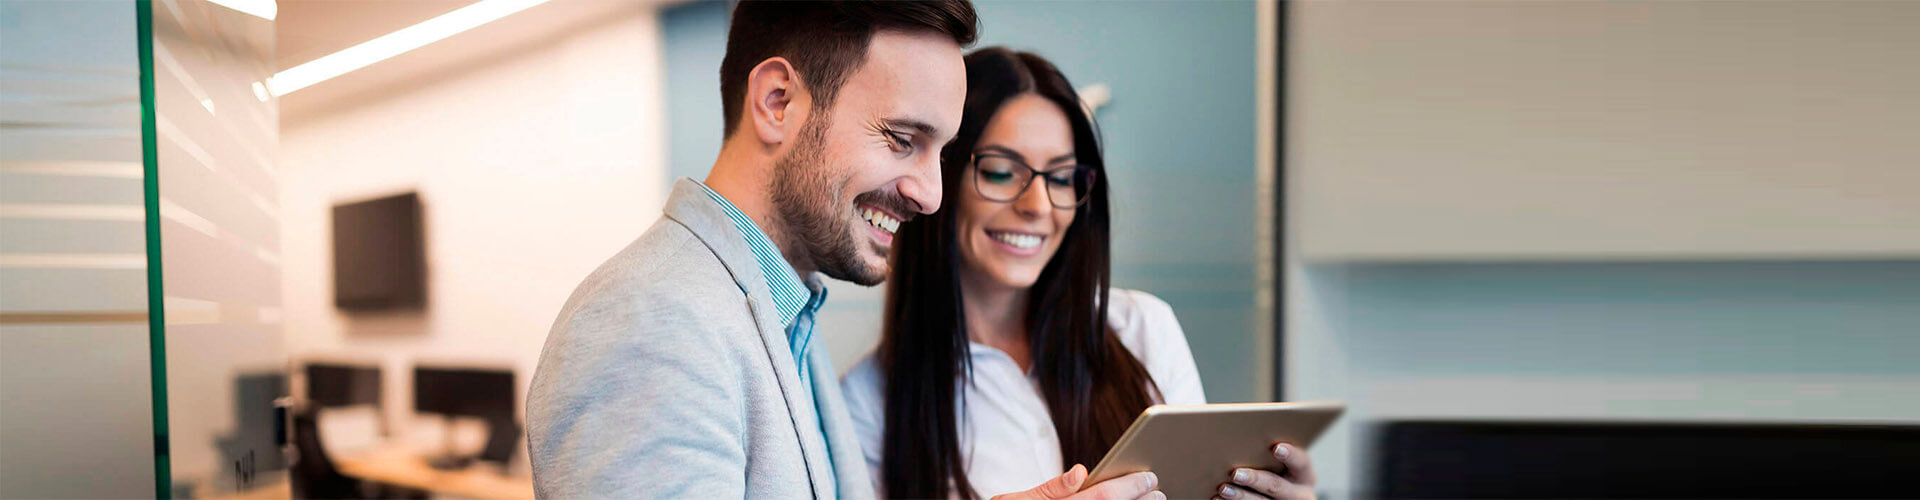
(898, 144)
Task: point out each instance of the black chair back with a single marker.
(314, 475)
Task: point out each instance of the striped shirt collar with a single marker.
(790, 294)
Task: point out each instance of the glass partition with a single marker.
(140, 330)
(75, 392)
(213, 139)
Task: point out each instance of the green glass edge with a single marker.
(156, 297)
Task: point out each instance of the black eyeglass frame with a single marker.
(1080, 198)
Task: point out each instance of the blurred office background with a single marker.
(1537, 212)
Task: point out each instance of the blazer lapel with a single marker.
(849, 464)
(691, 207)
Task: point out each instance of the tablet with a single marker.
(1194, 448)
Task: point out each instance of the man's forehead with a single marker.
(918, 79)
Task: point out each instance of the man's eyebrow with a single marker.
(920, 127)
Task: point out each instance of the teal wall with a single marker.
(1654, 319)
(695, 38)
(1179, 135)
(1692, 341)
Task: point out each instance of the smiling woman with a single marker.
(1008, 289)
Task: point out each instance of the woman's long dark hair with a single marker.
(1092, 384)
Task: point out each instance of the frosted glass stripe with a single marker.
(74, 261)
(174, 212)
(165, 57)
(110, 169)
(185, 311)
(71, 317)
(134, 213)
(179, 138)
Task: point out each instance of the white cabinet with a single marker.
(1486, 131)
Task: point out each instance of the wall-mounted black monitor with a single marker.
(379, 254)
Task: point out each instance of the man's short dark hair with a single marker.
(825, 40)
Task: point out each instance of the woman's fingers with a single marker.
(1299, 465)
(1250, 482)
(1231, 492)
(1135, 486)
(1059, 487)
(1138, 485)
(1066, 484)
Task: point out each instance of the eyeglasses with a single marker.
(1002, 178)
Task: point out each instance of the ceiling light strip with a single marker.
(393, 44)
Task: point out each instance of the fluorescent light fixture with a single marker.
(264, 9)
(393, 44)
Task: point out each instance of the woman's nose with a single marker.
(1033, 199)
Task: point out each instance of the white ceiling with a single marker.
(309, 29)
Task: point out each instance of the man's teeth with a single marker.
(1018, 240)
(880, 220)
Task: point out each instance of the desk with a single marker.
(279, 489)
(402, 467)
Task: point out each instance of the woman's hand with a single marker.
(1294, 482)
(1135, 486)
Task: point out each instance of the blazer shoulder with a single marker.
(665, 286)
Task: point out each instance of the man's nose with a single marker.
(923, 187)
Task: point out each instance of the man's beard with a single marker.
(806, 198)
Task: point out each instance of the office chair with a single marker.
(314, 475)
(502, 436)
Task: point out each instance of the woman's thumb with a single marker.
(1059, 487)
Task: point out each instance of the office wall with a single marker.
(1759, 115)
(533, 166)
(1179, 135)
(75, 386)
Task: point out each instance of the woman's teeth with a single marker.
(880, 220)
(1018, 240)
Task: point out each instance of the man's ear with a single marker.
(777, 102)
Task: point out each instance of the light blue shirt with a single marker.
(791, 297)
(797, 304)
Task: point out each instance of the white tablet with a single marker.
(1194, 448)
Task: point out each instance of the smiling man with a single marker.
(685, 366)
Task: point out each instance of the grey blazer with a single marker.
(668, 375)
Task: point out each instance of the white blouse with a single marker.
(1006, 436)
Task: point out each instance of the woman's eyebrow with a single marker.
(996, 148)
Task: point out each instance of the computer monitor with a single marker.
(469, 392)
(330, 385)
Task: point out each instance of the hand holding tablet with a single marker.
(1193, 450)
